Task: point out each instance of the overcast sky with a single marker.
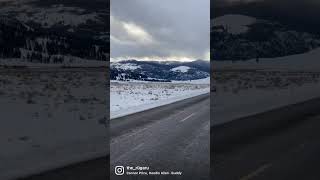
(160, 30)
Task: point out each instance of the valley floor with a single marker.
(131, 97)
(240, 93)
(50, 117)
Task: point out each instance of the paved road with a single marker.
(174, 137)
(280, 145)
(96, 169)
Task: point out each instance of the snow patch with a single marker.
(125, 66)
(235, 24)
(48, 17)
(183, 69)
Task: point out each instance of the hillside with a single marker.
(159, 71)
(239, 37)
(54, 31)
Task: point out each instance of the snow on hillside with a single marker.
(162, 71)
(125, 66)
(131, 97)
(48, 17)
(236, 24)
(183, 69)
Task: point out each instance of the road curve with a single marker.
(174, 137)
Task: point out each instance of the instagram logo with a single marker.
(119, 170)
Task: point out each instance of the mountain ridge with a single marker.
(158, 71)
(32, 32)
(258, 39)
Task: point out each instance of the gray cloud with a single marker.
(167, 29)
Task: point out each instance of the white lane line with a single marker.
(207, 127)
(137, 147)
(125, 154)
(187, 117)
(121, 138)
(256, 172)
(137, 132)
(180, 112)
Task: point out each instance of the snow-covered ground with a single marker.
(239, 93)
(299, 62)
(49, 118)
(70, 61)
(197, 81)
(131, 97)
(248, 87)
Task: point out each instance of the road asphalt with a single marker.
(171, 138)
(281, 144)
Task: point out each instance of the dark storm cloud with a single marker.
(160, 29)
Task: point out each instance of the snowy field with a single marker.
(50, 117)
(70, 61)
(131, 97)
(308, 62)
(239, 93)
(243, 88)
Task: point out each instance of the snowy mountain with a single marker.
(239, 37)
(159, 71)
(54, 31)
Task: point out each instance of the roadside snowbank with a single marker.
(132, 97)
(249, 93)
